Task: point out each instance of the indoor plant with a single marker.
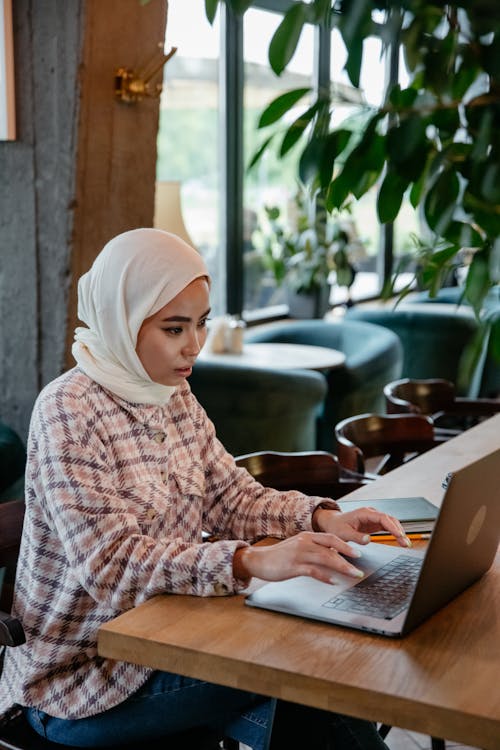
(436, 139)
(306, 251)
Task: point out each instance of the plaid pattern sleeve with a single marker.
(117, 496)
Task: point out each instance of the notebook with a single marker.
(416, 514)
(461, 549)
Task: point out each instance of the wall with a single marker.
(81, 170)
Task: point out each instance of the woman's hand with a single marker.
(357, 525)
(308, 553)
(318, 554)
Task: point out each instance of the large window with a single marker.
(273, 182)
(188, 186)
(215, 88)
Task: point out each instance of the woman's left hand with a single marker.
(357, 525)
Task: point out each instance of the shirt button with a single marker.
(164, 477)
(151, 514)
(159, 437)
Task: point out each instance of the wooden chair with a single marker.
(393, 438)
(312, 472)
(16, 733)
(437, 399)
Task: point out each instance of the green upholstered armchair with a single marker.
(489, 385)
(260, 409)
(433, 336)
(373, 355)
(453, 295)
(12, 464)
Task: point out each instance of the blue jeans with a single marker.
(169, 703)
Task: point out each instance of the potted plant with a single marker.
(307, 252)
(434, 139)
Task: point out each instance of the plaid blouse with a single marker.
(117, 496)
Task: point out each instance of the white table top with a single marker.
(280, 357)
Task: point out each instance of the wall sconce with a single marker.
(131, 87)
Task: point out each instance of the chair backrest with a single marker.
(256, 409)
(425, 396)
(373, 357)
(395, 438)
(436, 398)
(11, 528)
(12, 461)
(312, 472)
(433, 336)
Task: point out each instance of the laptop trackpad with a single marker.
(309, 597)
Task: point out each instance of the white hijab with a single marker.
(132, 278)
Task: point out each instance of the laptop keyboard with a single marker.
(384, 593)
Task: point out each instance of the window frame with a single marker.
(231, 109)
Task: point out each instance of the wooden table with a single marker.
(280, 357)
(441, 680)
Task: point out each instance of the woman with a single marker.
(124, 472)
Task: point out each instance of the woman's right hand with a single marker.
(315, 554)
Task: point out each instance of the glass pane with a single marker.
(188, 190)
(352, 107)
(273, 182)
(407, 223)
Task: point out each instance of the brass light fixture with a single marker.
(132, 86)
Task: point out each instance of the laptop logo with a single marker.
(476, 525)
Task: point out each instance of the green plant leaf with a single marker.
(447, 121)
(407, 147)
(470, 359)
(478, 282)
(337, 192)
(239, 6)
(310, 160)
(355, 20)
(418, 188)
(320, 11)
(354, 60)
(286, 37)
(440, 201)
(390, 196)
(211, 9)
(464, 78)
(435, 266)
(411, 44)
(483, 136)
(462, 234)
(334, 144)
(279, 106)
(366, 162)
(491, 56)
(258, 154)
(494, 347)
(490, 182)
(297, 128)
(402, 98)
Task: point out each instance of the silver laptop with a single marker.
(402, 588)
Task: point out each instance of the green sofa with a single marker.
(433, 336)
(374, 357)
(260, 409)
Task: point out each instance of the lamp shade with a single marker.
(168, 212)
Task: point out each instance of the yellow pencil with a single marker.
(391, 537)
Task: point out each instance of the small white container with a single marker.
(235, 333)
